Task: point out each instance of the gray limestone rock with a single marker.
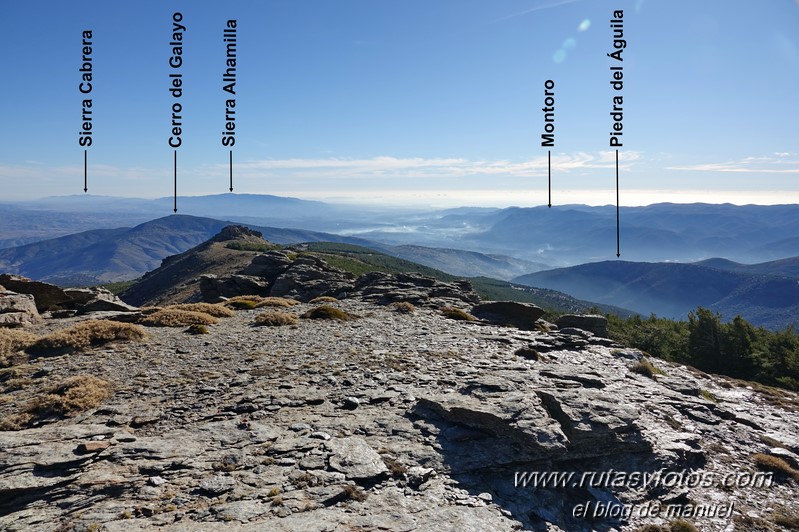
(355, 458)
(17, 310)
(509, 313)
(595, 324)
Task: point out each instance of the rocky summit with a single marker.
(398, 403)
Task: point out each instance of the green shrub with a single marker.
(326, 312)
(197, 329)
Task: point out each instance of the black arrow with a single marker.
(175, 209)
(231, 170)
(618, 245)
(549, 176)
(85, 170)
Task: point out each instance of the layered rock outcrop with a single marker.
(393, 421)
(24, 301)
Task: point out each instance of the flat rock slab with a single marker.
(355, 458)
(520, 315)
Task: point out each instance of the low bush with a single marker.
(326, 312)
(457, 314)
(251, 302)
(171, 317)
(681, 525)
(71, 397)
(403, 307)
(354, 493)
(91, 333)
(774, 464)
(323, 299)
(197, 329)
(68, 398)
(646, 368)
(13, 340)
(528, 352)
(217, 311)
(275, 318)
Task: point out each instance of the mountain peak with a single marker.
(237, 232)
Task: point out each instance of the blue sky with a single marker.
(409, 102)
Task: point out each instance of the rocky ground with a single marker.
(390, 421)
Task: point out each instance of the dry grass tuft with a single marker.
(786, 518)
(528, 352)
(777, 465)
(394, 467)
(217, 311)
(12, 341)
(275, 318)
(354, 493)
(323, 299)
(67, 399)
(326, 312)
(681, 525)
(403, 307)
(170, 317)
(646, 368)
(87, 334)
(277, 302)
(251, 302)
(197, 329)
(457, 314)
(71, 397)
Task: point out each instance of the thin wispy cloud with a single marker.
(417, 167)
(779, 163)
(541, 7)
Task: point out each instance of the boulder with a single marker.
(268, 265)
(45, 295)
(81, 296)
(237, 232)
(106, 305)
(595, 324)
(17, 310)
(520, 315)
(386, 288)
(309, 277)
(355, 458)
(214, 288)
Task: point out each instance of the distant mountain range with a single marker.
(467, 263)
(107, 255)
(561, 236)
(684, 255)
(672, 290)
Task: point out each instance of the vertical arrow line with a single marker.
(85, 170)
(231, 170)
(549, 175)
(618, 244)
(175, 208)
